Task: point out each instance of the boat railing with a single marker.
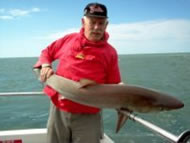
(37, 93)
(182, 138)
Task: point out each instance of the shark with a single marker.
(122, 97)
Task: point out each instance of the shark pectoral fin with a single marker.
(86, 82)
(122, 118)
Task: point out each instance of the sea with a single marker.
(168, 72)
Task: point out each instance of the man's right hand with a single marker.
(45, 73)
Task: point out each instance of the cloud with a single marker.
(14, 13)
(6, 17)
(56, 35)
(35, 9)
(2, 10)
(151, 30)
(156, 36)
(142, 31)
(18, 12)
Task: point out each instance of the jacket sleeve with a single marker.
(51, 53)
(114, 71)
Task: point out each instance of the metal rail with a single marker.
(38, 93)
(182, 138)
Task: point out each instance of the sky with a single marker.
(135, 26)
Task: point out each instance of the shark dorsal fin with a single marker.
(86, 82)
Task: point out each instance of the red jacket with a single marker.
(80, 58)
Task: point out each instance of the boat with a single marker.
(39, 135)
(31, 135)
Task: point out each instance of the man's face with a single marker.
(94, 28)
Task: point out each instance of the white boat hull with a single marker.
(32, 136)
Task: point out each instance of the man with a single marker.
(88, 55)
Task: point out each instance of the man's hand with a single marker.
(45, 73)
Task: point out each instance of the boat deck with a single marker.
(32, 136)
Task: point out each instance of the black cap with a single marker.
(95, 10)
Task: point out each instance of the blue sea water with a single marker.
(165, 72)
